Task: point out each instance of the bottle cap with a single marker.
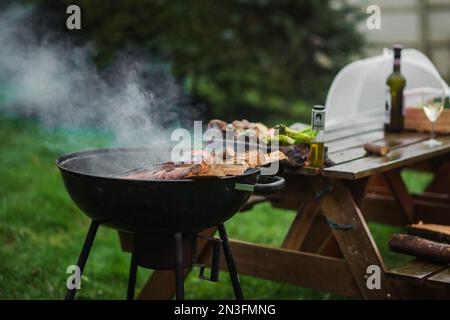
(318, 117)
(397, 50)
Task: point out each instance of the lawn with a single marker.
(41, 230)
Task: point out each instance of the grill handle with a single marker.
(269, 184)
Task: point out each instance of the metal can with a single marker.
(318, 118)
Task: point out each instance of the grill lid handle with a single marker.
(269, 184)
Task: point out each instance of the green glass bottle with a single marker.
(395, 84)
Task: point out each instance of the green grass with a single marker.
(41, 231)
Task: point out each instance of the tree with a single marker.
(257, 59)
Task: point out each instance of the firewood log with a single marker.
(434, 232)
(376, 149)
(421, 248)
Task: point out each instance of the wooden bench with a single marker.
(423, 274)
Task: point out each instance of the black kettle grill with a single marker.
(164, 217)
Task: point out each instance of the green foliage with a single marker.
(256, 59)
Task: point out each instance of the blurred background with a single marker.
(258, 59)
(142, 64)
(419, 24)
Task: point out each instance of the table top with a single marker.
(345, 149)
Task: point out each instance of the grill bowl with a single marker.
(92, 179)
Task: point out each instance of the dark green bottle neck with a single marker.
(397, 65)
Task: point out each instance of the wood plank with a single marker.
(348, 130)
(440, 279)
(300, 226)
(415, 271)
(435, 232)
(318, 236)
(443, 198)
(347, 155)
(351, 148)
(297, 188)
(293, 267)
(408, 290)
(358, 189)
(354, 141)
(355, 241)
(431, 211)
(384, 209)
(398, 189)
(441, 181)
(393, 141)
(160, 286)
(331, 248)
(289, 204)
(367, 166)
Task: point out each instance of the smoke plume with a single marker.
(58, 83)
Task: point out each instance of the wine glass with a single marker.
(433, 104)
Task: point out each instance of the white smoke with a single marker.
(58, 83)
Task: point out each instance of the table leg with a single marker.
(309, 232)
(319, 239)
(398, 188)
(441, 181)
(300, 226)
(353, 236)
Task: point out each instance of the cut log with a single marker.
(419, 247)
(436, 232)
(376, 149)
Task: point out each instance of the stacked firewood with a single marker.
(224, 163)
(426, 241)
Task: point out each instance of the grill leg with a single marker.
(70, 294)
(132, 278)
(179, 281)
(230, 263)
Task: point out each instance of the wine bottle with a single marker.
(395, 84)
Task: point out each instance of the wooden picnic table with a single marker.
(329, 246)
